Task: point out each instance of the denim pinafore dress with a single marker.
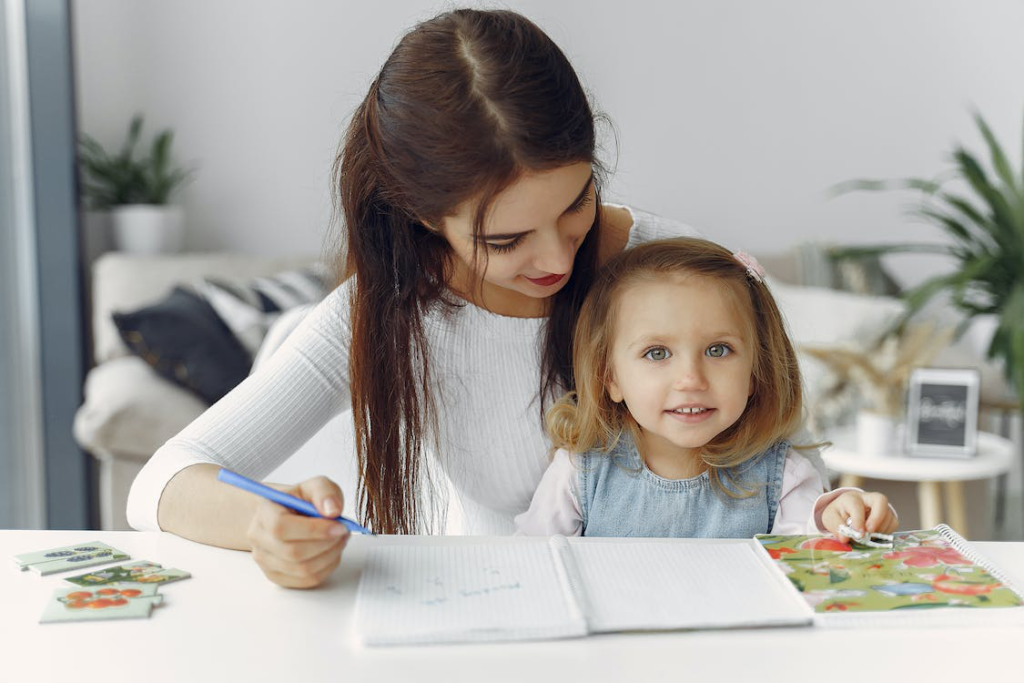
(619, 496)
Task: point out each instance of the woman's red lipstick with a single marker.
(546, 281)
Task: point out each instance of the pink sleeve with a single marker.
(802, 500)
(555, 508)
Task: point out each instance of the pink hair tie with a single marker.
(754, 269)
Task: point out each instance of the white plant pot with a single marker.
(148, 228)
(878, 434)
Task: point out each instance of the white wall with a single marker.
(733, 116)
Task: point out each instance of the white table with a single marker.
(994, 457)
(228, 623)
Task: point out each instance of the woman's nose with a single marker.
(557, 253)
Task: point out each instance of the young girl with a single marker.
(687, 393)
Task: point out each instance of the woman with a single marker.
(470, 194)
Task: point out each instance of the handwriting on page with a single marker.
(489, 580)
(409, 592)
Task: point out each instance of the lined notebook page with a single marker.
(638, 586)
(457, 593)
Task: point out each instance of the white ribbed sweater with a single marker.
(486, 373)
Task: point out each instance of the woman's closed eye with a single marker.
(718, 350)
(505, 247)
(581, 203)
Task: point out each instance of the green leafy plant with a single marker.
(124, 178)
(985, 227)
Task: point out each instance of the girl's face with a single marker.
(530, 235)
(681, 360)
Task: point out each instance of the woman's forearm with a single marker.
(196, 506)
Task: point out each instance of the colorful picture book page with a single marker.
(135, 572)
(116, 601)
(922, 570)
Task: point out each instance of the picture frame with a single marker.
(942, 412)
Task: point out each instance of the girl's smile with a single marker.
(691, 414)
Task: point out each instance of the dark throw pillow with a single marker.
(185, 340)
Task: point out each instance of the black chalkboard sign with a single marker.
(942, 412)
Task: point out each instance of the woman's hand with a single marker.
(296, 551)
(866, 511)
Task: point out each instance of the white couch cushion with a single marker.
(130, 411)
(829, 318)
(822, 317)
(124, 282)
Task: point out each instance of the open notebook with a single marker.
(566, 587)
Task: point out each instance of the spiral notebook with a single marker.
(527, 589)
(930, 577)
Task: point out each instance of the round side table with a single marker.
(994, 457)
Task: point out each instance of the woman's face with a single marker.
(530, 234)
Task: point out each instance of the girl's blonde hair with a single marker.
(587, 418)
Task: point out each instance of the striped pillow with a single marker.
(249, 309)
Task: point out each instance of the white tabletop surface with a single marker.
(228, 623)
(995, 455)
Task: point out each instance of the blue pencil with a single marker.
(281, 498)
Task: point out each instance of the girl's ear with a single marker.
(614, 393)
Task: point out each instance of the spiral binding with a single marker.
(963, 547)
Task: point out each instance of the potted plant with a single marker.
(136, 190)
(878, 376)
(984, 224)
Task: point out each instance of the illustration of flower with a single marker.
(827, 544)
(776, 553)
(841, 606)
(927, 556)
(950, 584)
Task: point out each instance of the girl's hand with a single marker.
(296, 551)
(867, 512)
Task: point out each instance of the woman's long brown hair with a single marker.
(466, 103)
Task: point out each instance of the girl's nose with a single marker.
(689, 376)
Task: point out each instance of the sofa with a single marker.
(129, 410)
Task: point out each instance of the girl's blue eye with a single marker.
(657, 353)
(718, 350)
